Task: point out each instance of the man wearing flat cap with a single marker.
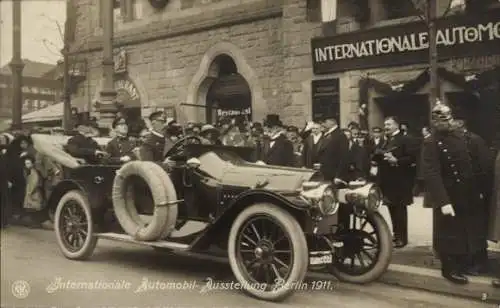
(278, 150)
(333, 152)
(120, 147)
(83, 145)
(456, 172)
(156, 144)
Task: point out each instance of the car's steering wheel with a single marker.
(179, 147)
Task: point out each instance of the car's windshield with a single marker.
(217, 161)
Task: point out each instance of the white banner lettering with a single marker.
(230, 113)
(407, 43)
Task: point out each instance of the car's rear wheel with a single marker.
(267, 252)
(367, 249)
(74, 226)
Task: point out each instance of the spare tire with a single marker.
(124, 206)
(169, 189)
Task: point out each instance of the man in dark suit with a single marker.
(156, 145)
(357, 163)
(376, 141)
(311, 146)
(333, 152)
(278, 150)
(395, 176)
(84, 146)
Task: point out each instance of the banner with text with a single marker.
(457, 37)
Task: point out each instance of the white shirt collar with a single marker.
(275, 136)
(395, 133)
(316, 137)
(331, 130)
(156, 133)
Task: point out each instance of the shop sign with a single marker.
(457, 37)
(233, 112)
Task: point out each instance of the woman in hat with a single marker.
(19, 147)
(209, 135)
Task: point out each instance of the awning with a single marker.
(50, 113)
(53, 112)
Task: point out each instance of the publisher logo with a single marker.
(21, 289)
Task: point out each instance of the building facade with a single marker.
(380, 67)
(233, 56)
(202, 59)
(40, 88)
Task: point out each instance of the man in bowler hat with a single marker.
(278, 150)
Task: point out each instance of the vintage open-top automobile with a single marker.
(274, 223)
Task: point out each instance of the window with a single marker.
(321, 10)
(400, 9)
(313, 10)
(123, 10)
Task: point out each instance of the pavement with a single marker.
(416, 267)
(35, 274)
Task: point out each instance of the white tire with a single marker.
(299, 259)
(169, 188)
(124, 205)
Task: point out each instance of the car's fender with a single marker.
(95, 199)
(223, 222)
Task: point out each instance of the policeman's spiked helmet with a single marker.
(441, 112)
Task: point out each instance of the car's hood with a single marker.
(268, 177)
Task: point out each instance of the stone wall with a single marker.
(169, 69)
(297, 62)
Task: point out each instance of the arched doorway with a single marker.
(229, 95)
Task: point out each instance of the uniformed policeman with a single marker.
(454, 167)
(155, 146)
(120, 147)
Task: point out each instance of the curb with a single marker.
(478, 288)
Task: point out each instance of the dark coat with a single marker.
(153, 148)
(280, 154)
(372, 146)
(83, 147)
(310, 152)
(396, 181)
(333, 155)
(451, 171)
(358, 163)
(120, 146)
(494, 221)
(4, 189)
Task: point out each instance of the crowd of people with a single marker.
(450, 165)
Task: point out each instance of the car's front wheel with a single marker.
(267, 252)
(74, 226)
(367, 250)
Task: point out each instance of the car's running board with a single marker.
(129, 239)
